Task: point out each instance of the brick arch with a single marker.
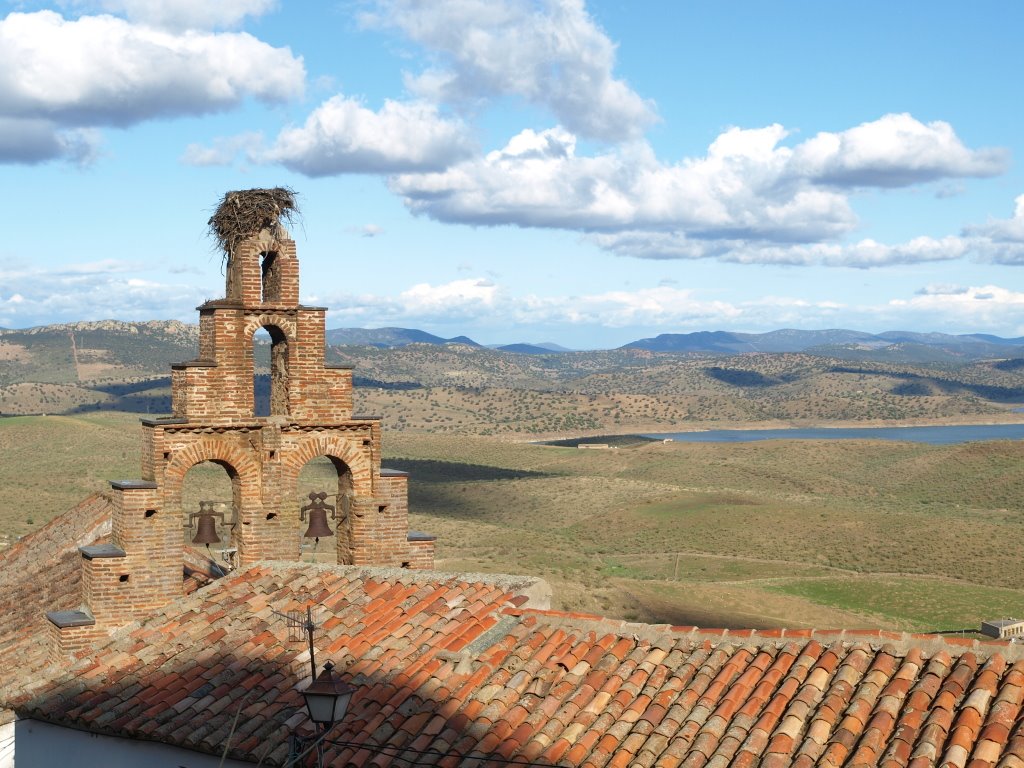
(283, 330)
(241, 464)
(349, 452)
(285, 324)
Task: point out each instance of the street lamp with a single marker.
(327, 698)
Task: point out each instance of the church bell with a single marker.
(318, 509)
(206, 529)
(318, 525)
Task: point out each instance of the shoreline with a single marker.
(641, 432)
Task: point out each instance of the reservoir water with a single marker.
(938, 435)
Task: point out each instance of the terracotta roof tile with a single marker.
(449, 665)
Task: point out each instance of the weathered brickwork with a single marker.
(214, 420)
(67, 641)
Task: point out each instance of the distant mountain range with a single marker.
(387, 338)
(839, 342)
(111, 343)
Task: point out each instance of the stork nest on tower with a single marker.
(245, 212)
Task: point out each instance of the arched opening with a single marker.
(210, 499)
(270, 276)
(270, 372)
(324, 480)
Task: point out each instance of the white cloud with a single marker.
(223, 151)
(1000, 240)
(188, 14)
(894, 151)
(343, 136)
(458, 296)
(941, 289)
(101, 70)
(549, 52)
(490, 307)
(89, 291)
(33, 295)
(868, 253)
(31, 141)
(749, 199)
(59, 78)
(483, 302)
(973, 307)
(863, 254)
(737, 190)
(366, 230)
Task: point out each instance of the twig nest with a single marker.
(247, 212)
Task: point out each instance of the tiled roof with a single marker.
(452, 666)
(40, 573)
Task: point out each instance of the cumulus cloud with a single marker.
(31, 295)
(60, 79)
(101, 70)
(894, 151)
(31, 141)
(750, 198)
(550, 53)
(343, 136)
(739, 189)
(1000, 240)
(188, 14)
(985, 306)
(458, 296)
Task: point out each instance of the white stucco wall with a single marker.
(7, 745)
(41, 745)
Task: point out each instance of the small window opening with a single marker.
(123, 578)
(271, 515)
(271, 277)
(406, 564)
(270, 372)
(382, 508)
(272, 455)
(366, 442)
(150, 512)
(167, 455)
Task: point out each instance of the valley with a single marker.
(854, 533)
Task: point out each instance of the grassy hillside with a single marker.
(484, 392)
(801, 533)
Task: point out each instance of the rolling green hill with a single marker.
(796, 533)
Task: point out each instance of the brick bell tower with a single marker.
(214, 420)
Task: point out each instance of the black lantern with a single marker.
(327, 698)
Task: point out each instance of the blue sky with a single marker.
(584, 173)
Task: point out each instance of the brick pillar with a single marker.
(70, 632)
(148, 573)
(421, 551)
